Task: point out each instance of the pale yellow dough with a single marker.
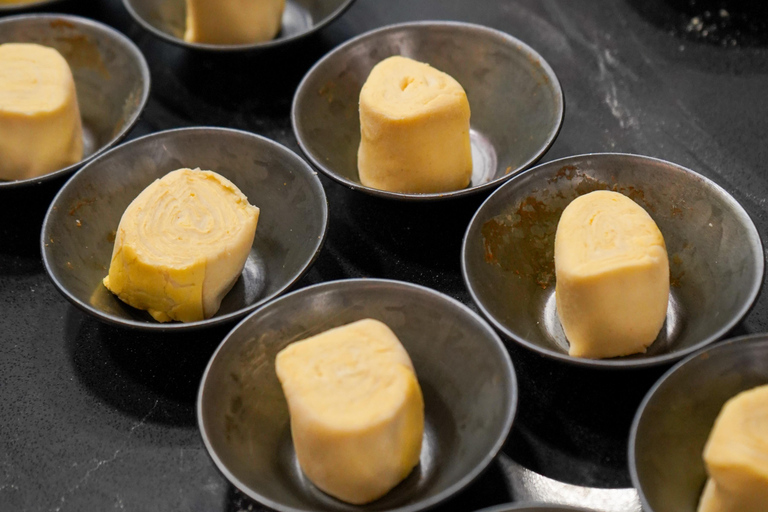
(357, 413)
(40, 126)
(233, 21)
(736, 456)
(612, 274)
(181, 245)
(414, 123)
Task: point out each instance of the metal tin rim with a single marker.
(319, 165)
(527, 507)
(27, 5)
(635, 363)
(216, 48)
(751, 339)
(145, 76)
(450, 491)
(215, 320)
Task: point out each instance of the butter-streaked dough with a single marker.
(40, 126)
(357, 412)
(414, 123)
(736, 456)
(612, 274)
(181, 245)
(233, 21)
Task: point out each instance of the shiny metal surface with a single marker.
(28, 5)
(530, 487)
(166, 19)
(516, 101)
(533, 507)
(466, 375)
(79, 228)
(110, 73)
(716, 255)
(674, 421)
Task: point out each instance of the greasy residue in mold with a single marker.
(522, 239)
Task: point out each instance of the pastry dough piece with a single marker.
(736, 456)
(414, 124)
(233, 21)
(181, 245)
(357, 413)
(612, 274)
(40, 126)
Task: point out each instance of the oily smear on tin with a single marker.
(522, 239)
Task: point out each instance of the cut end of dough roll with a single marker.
(357, 412)
(233, 21)
(612, 274)
(181, 245)
(414, 123)
(736, 456)
(40, 126)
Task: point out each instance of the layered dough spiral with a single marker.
(414, 124)
(40, 126)
(357, 411)
(181, 245)
(612, 275)
(233, 21)
(736, 456)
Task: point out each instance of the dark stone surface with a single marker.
(93, 417)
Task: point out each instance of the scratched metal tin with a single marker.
(674, 421)
(166, 19)
(715, 253)
(516, 100)
(465, 373)
(527, 487)
(533, 507)
(79, 229)
(26, 5)
(111, 78)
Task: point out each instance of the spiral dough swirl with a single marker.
(181, 245)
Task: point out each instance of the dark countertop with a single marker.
(94, 417)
